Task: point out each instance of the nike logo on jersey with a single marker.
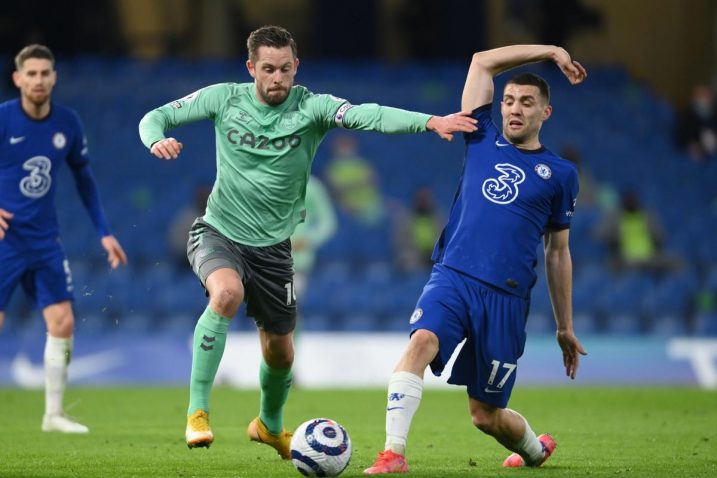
(16, 139)
(501, 145)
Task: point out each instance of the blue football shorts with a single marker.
(455, 306)
(43, 273)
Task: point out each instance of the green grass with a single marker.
(139, 432)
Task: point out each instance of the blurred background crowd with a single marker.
(642, 130)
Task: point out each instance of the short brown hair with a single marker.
(532, 80)
(272, 36)
(34, 51)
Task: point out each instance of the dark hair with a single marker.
(34, 51)
(533, 80)
(272, 36)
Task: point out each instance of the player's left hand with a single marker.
(574, 71)
(115, 253)
(572, 350)
(445, 126)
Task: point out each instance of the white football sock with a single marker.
(57, 358)
(529, 447)
(404, 397)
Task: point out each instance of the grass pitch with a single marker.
(138, 432)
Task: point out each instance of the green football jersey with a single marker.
(264, 153)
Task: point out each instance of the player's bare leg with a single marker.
(275, 380)
(58, 353)
(512, 431)
(405, 389)
(226, 293)
(2, 319)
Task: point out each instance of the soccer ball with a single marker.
(320, 447)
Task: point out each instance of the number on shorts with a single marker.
(494, 372)
(68, 275)
(290, 293)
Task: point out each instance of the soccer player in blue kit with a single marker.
(36, 137)
(512, 192)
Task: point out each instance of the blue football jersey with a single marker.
(31, 154)
(506, 199)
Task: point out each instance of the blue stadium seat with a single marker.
(706, 324)
(353, 322)
(668, 325)
(316, 322)
(625, 295)
(670, 301)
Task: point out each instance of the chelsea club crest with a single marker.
(543, 170)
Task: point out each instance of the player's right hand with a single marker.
(5, 216)
(167, 148)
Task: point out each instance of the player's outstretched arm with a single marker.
(559, 271)
(478, 89)
(5, 216)
(115, 253)
(168, 148)
(445, 126)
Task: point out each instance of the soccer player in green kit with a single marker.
(267, 133)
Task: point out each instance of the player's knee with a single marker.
(226, 300)
(484, 419)
(421, 350)
(60, 320)
(424, 340)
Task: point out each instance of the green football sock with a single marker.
(210, 336)
(275, 383)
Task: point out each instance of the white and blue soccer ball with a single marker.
(320, 447)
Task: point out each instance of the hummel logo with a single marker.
(206, 347)
(488, 390)
(500, 145)
(15, 140)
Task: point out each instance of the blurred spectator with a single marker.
(318, 227)
(635, 238)
(353, 182)
(416, 231)
(182, 222)
(553, 22)
(592, 192)
(697, 128)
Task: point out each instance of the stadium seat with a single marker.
(706, 324)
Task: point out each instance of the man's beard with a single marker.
(517, 139)
(275, 99)
(38, 99)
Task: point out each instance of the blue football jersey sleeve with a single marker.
(485, 124)
(78, 154)
(564, 201)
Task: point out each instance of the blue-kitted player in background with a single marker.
(512, 192)
(36, 137)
